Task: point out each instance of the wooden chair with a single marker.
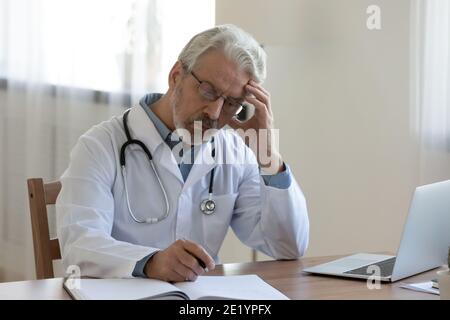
(45, 249)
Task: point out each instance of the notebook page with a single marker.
(242, 287)
(125, 289)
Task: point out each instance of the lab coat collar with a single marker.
(203, 164)
(142, 128)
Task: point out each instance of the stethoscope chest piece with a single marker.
(208, 206)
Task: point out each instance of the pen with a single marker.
(202, 264)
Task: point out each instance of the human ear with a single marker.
(175, 74)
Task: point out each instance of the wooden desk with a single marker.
(286, 276)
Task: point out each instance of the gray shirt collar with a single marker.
(146, 103)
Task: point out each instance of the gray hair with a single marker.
(237, 45)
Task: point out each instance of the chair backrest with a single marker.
(45, 249)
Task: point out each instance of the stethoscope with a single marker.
(207, 206)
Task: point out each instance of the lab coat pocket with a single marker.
(215, 226)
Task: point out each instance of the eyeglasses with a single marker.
(231, 106)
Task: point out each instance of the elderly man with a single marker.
(132, 206)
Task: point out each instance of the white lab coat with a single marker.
(97, 233)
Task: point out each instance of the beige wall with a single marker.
(340, 96)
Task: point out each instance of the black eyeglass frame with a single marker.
(231, 101)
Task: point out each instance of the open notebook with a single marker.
(244, 287)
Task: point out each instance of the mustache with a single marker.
(206, 122)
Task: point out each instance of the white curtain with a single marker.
(66, 65)
(430, 87)
(431, 72)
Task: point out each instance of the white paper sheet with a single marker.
(421, 287)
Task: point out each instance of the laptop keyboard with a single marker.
(386, 268)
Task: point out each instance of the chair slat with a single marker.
(51, 191)
(45, 249)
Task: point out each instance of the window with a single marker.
(111, 46)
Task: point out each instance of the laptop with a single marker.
(424, 244)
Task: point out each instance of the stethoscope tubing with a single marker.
(207, 206)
